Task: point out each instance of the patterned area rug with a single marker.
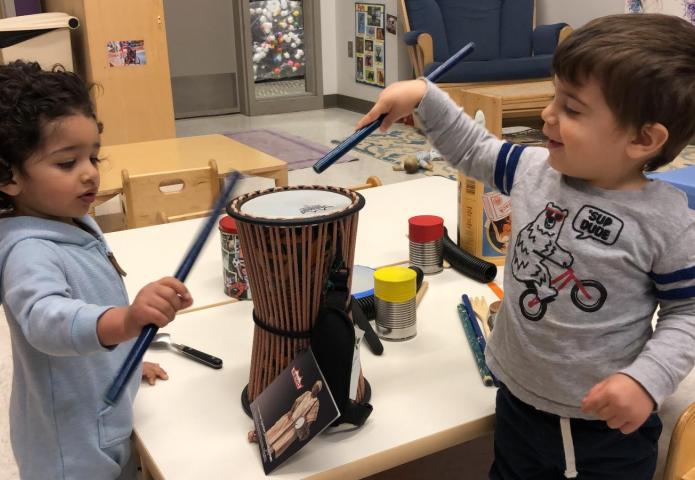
(685, 159)
(402, 141)
(399, 142)
(296, 151)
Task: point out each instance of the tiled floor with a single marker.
(321, 126)
(8, 468)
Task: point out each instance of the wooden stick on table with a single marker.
(421, 293)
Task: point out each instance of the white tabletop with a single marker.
(150, 253)
(426, 392)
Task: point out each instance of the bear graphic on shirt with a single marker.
(536, 245)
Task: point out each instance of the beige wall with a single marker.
(329, 47)
(574, 12)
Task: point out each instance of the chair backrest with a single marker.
(681, 451)
(499, 28)
(153, 198)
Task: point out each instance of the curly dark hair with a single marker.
(29, 98)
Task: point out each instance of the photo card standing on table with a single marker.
(370, 58)
(292, 410)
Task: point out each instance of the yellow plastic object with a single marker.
(395, 284)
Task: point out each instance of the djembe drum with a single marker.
(292, 238)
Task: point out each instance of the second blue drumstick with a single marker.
(148, 332)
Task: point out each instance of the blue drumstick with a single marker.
(479, 337)
(349, 143)
(148, 332)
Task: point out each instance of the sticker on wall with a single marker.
(391, 23)
(126, 52)
(370, 48)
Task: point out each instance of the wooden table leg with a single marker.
(148, 469)
(280, 176)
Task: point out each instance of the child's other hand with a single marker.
(157, 303)
(397, 100)
(152, 371)
(619, 400)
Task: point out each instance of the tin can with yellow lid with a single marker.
(394, 297)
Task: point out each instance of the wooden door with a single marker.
(133, 101)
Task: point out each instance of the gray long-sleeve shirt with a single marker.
(632, 250)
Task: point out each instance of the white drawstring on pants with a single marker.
(568, 446)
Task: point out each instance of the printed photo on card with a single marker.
(292, 410)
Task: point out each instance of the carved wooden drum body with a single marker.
(292, 238)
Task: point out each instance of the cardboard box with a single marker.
(484, 220)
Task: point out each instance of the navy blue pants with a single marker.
(528, 445)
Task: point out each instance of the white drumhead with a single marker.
(291, 204)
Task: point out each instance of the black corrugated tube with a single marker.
(467, 264)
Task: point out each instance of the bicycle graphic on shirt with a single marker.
(587, 295)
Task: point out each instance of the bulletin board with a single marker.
(370, 51)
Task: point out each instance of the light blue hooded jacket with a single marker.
(56, 280)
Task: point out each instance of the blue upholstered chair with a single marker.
(508, 47)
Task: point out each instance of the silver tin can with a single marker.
(395, 321)
(428, 256)
(236, 280)
(426, 247)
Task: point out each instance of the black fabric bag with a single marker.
(333, 345)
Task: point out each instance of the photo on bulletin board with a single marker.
(370, 61)
(359, 45)
(360, 69)
(361, 22)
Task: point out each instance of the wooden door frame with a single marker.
(313, 99)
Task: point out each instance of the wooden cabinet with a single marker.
(133, 101)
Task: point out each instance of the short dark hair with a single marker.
(29, 98)
(645, 66)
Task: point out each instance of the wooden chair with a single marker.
(154, 198)
(372, 181)
(680, 464)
